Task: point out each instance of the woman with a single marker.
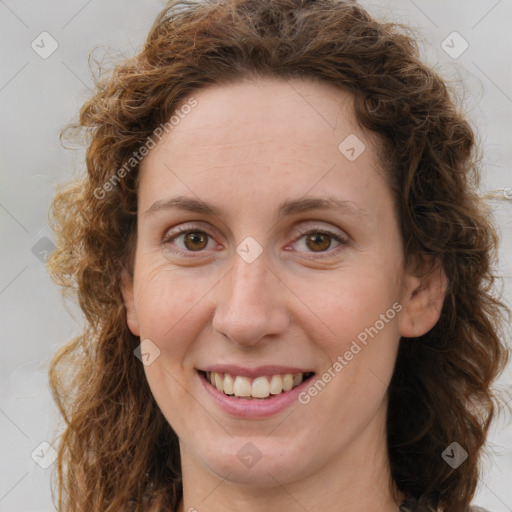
(285, 269)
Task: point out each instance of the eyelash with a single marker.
(343, 241)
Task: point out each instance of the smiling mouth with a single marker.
(258, 388)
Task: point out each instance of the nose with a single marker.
(251, 303)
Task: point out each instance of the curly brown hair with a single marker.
(441, 388)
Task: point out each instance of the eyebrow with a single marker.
(288, 207)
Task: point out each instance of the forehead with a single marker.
(252, 110)
(259, 133)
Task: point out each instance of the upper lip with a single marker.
(257, 371)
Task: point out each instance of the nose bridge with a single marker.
(249, 305)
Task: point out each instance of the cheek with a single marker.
(169, 309)
(358, 334)
(169, 305)
(363, 315)
(349, 302)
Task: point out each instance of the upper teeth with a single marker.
(260, 387)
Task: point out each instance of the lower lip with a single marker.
(254, 408)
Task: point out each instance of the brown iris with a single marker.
(197, 239)
(322, 241)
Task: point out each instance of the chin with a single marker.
(243, 461)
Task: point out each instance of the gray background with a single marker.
(38, 96)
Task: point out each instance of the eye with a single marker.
(320, 241)
(190, 240)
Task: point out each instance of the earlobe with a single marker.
(129, 303)
(423, 298)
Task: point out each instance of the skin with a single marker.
(245, 148)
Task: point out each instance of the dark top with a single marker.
(409, 505)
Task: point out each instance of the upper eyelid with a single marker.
(189, 226)
(322, 229)
(193, 225)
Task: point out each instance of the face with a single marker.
(268, 244)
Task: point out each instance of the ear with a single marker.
(129, 303)
(422, 299)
